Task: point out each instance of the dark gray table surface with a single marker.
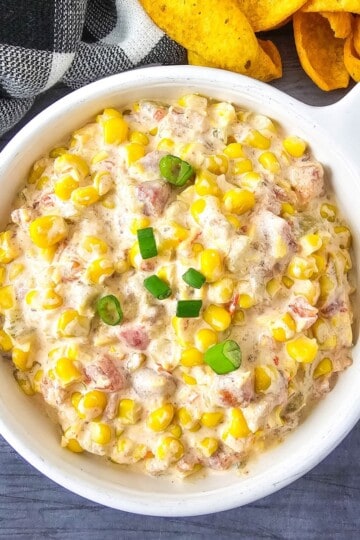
(324, 504)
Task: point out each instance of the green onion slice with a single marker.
(194, 278)
(109, 310)
(223, 357)
(188, 308)
(175, 170)
(157, 287)
(147, 242)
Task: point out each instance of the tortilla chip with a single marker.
(340, 22)
(321, 54)
(332, 5)
(267, 67)
(356, 35)
(217, 33)
(351, 59)
(268, 14)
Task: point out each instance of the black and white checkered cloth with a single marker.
(73, 41)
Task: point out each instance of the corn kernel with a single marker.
(65, 186)
(345, 236)
(238, 426)
(327, 285)
(257, 140)
(197, 208)
(221, 291)
(262, 379)
(139, 138)
(48, 253)
(46, 231)
(161, 418)
(71, 164)
(175, 430)
(251, 180)
(21, 358)
(294, 146)
(67, 371)
(288, 282)
(272, 287)
(2, 274)
(71, 324)
(239, 201)
(129, 411)
(205, 338)
(283, 328)
(93, 244)
(7, 298)
(206, 183)
(99, 156)
(43, 180)
(328, 212)
(186, 419)
(188, 379)
(16, 270)
(211, 419)
(197, 248)
(209, 446)
(246, 301)
(103, 182)
(101, 433)
(139, 223)
(134, 151)
(85, 196)
(217, 317)
(310, 243)
(238, 318)
(170, 449)
(242, 166)
(191, 357)
(324, 367)
(287, 209)
(122, 266)
(5, 341)
(36, 171)
(24, 384)
(270, 162)
(165, 145)
(94, 399)
(211, 264)
(302, 349)
(115, 130)
(52, 300)
(234, 220)
(100, 269)
(179, 325)
(8, 250)
(234, 150)
(74, 446)
(37, 380)
(301, 268)
(217, 164)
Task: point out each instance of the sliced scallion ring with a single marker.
(147, 242)
(157, 287)
(176, 170)
(223, 357)
(188, 308)
(194, 278)
(109, 310)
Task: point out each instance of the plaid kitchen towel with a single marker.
(73, 41)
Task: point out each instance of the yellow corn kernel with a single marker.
(186, 419)
(140, 451)
(179, 326)
(170, 449)
(175, 430)
(93, 244)
(238, 427)
(188, 379)
(94, 399)
(35, 172)
(211, 264)
(270, 162)
(257, 140)
(191, 357)
(71, 324)
(217, 164)
(221, 291)
(37, 380)
(2, 274)
(234, 150)
(108, 113)
(5, 341)
(324, 367)
(209, 446)
(302, 349)
(43, 180)
(251, 180)
(85, 196)
(46, 231)
(288, 282)
(238, 317)
(217, 317)
(99, 156)
(129, 411)
(15, 271)
(165, 145)
(122, 266)
(134, 151)
(197, 248)
(239, 201)
(242, 166)
(139, 138)
(272, 287)
(139, 223)
(115, 130)
(197, 208)
(246, 301)
(179, 233)
(344, 235)
(48, 253)
(100, 269)
(74, 446)
(205, 338)
(103, 182)
(262, 379)
(327, 285)
(31, 296)
(52, 300)
(287, 209)
(24, 384)
(310, 243)
(8, 250)
(206, 183)
(294, 146)
(71, 162)
(101, 433)
(328, 211)
(21, 357)
(323, 333)
(234, 220)
(67, 371)
(283, 328)
(65, 186)
(134, 256)
(211, 419)
(7, 298)
(301, 268)
(161, 418)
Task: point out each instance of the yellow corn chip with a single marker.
(268, 14)
(340, 22)
(332, 5)
(321, 54)
(217, 34)
(356, 32)
(351, 59)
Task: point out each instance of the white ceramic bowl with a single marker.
(333, 135)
